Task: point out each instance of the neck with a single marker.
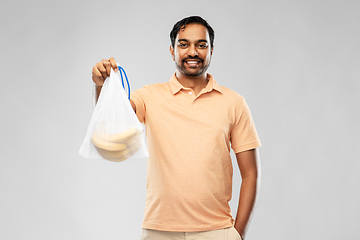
(195, 83)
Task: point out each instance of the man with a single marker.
(190, 122)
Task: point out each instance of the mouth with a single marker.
(192, 62)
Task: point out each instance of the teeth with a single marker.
(191, 62)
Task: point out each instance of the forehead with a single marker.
(193, 32)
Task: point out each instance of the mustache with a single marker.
(192, 58)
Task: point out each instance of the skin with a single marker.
(249, 166)
(100, 72)
(193, 42)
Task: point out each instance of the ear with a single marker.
(212, 49)
(172, 52)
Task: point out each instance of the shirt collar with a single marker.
(176, 86)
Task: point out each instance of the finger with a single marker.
(107, 65)
(113, 64)
(97, 76)
(96, 80)
(102, 68)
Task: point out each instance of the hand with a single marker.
(102, 70)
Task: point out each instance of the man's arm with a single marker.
(249, 166)
(133, 105)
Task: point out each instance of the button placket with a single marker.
(192, 96)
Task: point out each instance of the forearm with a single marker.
(248, 196)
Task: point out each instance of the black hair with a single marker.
(190, 20)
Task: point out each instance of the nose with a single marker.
(192, 51)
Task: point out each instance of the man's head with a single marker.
(191, 20)
(192, 46)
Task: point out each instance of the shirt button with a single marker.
(190, 93)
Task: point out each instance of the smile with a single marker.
(192, 63)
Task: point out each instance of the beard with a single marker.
(201, 69)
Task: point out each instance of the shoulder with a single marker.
(231, 95)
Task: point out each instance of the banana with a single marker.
(123, 137)
(134, 147)
(117, 147)
(106, 145)
(133, 140)
(113, 154)
(120, 159)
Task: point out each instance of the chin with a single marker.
(192, 74)
(195, 73)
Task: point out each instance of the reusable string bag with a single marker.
(114, 132)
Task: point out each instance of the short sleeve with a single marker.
(138, 97)
(243, 135)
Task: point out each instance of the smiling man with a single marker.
(191, 124)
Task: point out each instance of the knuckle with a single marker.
(102, 69)
(97, 73)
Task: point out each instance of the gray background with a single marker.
(296, 63)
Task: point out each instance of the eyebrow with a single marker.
(185, 40)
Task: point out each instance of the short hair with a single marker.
(191, 20)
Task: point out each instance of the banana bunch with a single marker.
(117, 147)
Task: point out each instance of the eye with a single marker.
(203, 46)
(182, 45)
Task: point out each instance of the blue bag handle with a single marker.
(122, 80)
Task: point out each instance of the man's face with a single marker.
(192, 51)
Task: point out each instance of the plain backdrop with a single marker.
(297, 63)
